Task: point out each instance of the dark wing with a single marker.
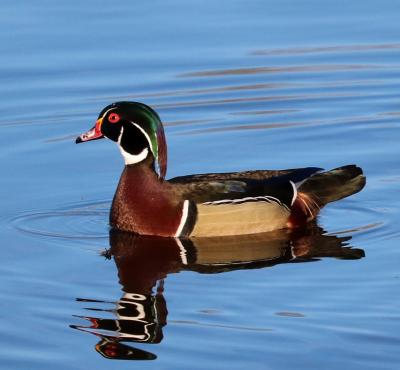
(218, 187)
(294, 174)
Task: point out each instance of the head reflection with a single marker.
(143, 262)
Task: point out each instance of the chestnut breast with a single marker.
(144, 204)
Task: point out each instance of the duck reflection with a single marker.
(143, 262)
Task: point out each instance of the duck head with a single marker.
(138, 131)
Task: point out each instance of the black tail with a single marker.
(333, 185)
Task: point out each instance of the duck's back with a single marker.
(265, 200)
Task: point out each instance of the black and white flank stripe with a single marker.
(264, 198)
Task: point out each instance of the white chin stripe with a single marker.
(132, 159)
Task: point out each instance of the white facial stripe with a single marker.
(120, 136)
(146, 136)
(105, 113)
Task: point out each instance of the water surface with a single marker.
(239, 86)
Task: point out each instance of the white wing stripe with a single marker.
(265, 198)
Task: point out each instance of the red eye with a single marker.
(114, 118)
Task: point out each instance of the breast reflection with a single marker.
(143, 262)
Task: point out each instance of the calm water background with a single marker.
(240, 85)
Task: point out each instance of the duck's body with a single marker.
(208, 204)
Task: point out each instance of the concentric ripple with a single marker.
(363, 222)
(81, 221)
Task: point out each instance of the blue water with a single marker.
(239, 85)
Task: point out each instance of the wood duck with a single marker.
(205, 205)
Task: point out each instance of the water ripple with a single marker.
(327, 49)
(278, 70)
(82, 221)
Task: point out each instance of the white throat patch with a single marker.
(132, 158)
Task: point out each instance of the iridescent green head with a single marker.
(136, 128)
